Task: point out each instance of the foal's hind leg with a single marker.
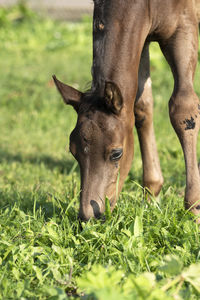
(184, 108)
(152, 176)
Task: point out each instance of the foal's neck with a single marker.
(118, 40)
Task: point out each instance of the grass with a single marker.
(143, 251)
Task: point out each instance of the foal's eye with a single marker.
(116, 154)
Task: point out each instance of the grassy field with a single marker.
(143, 251)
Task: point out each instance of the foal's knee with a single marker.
(143, 112)
(184, 109)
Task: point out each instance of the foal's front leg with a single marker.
(181, 52)
(152, 175)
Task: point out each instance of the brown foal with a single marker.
(121, 96)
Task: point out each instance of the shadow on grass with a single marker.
(28, 200)
(64, 166)
(37, 202)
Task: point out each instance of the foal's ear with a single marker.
(113, 97)
(70, 95)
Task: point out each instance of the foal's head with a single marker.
(102, 143)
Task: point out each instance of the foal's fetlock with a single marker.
(154, 186)
(196, 212)
(193, 206)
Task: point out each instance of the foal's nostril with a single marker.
(96, 209)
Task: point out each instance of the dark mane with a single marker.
(98, 2)
(99, 19)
